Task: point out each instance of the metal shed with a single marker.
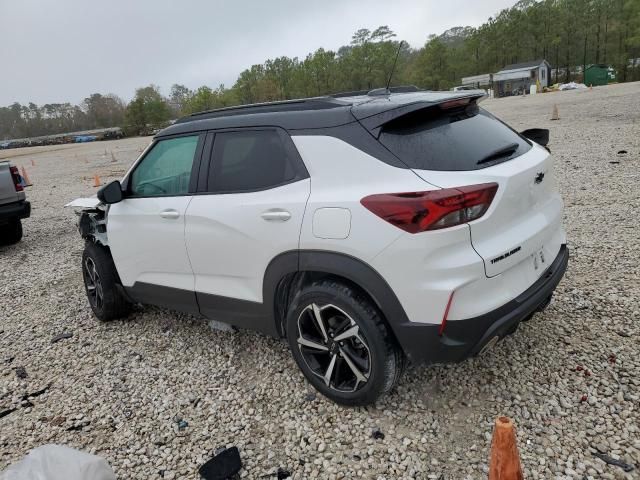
(516, 78)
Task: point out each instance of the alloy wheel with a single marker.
(333, 347)
(93, 283)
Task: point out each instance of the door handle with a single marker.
(170, 214)
(276, 215)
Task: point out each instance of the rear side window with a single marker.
(250, 160)
(464, 138)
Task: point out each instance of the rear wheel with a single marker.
(102, 285)
(342, 344)
(11, 232)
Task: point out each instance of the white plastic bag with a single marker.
(57, 462)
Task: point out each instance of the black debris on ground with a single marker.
(4, 413)
(182, 424)
(37, 393)
(78, 427)
(21, 372)
(61, 336)
(612, 461)
(377, 434)
(225, 464)
(282, 473)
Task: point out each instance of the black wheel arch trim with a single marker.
(333, 263)
(268, 317)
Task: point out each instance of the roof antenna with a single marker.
(393, 69)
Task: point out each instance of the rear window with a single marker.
(464, 138)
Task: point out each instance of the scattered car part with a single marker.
(58, 462)
(224, 465)
(612, 461)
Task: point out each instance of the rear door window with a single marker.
(463, 138)
(251, 160)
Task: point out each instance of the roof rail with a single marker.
(355, 93)
(378, 91)
(314, 103)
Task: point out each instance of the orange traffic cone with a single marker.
(554, 113)
(505, 459)
(96, 181)
(25, 177)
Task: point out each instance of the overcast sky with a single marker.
(64, 50)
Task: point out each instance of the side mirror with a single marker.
(110, 193)
(538, 135)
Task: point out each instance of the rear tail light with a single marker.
(416, 212)
(17, 179)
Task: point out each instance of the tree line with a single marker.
(570, 34)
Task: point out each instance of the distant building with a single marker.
(478, 81)
(516, 78)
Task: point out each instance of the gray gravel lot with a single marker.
(570, 378)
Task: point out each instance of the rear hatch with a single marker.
(454, 144)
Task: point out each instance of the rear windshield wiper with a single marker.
(501, 152)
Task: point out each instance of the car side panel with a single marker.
(341, 175)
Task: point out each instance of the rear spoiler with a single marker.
(374, 122)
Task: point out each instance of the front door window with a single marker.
(166, 169)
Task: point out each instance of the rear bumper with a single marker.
(465, 338)
(15, 210)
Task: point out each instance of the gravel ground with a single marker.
(569, 378)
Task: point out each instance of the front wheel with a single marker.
(102, 285)
(342, 344)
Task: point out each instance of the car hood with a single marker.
(85, 202)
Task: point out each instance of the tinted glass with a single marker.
(166, 169)
(251, 160)
(459, 139)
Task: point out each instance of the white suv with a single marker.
(367, 229)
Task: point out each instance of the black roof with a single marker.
(516, 66)
(316, 112)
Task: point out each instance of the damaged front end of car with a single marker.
(92, 219)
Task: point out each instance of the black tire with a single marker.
(101, 284)
(372, 350)
(11, 232)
